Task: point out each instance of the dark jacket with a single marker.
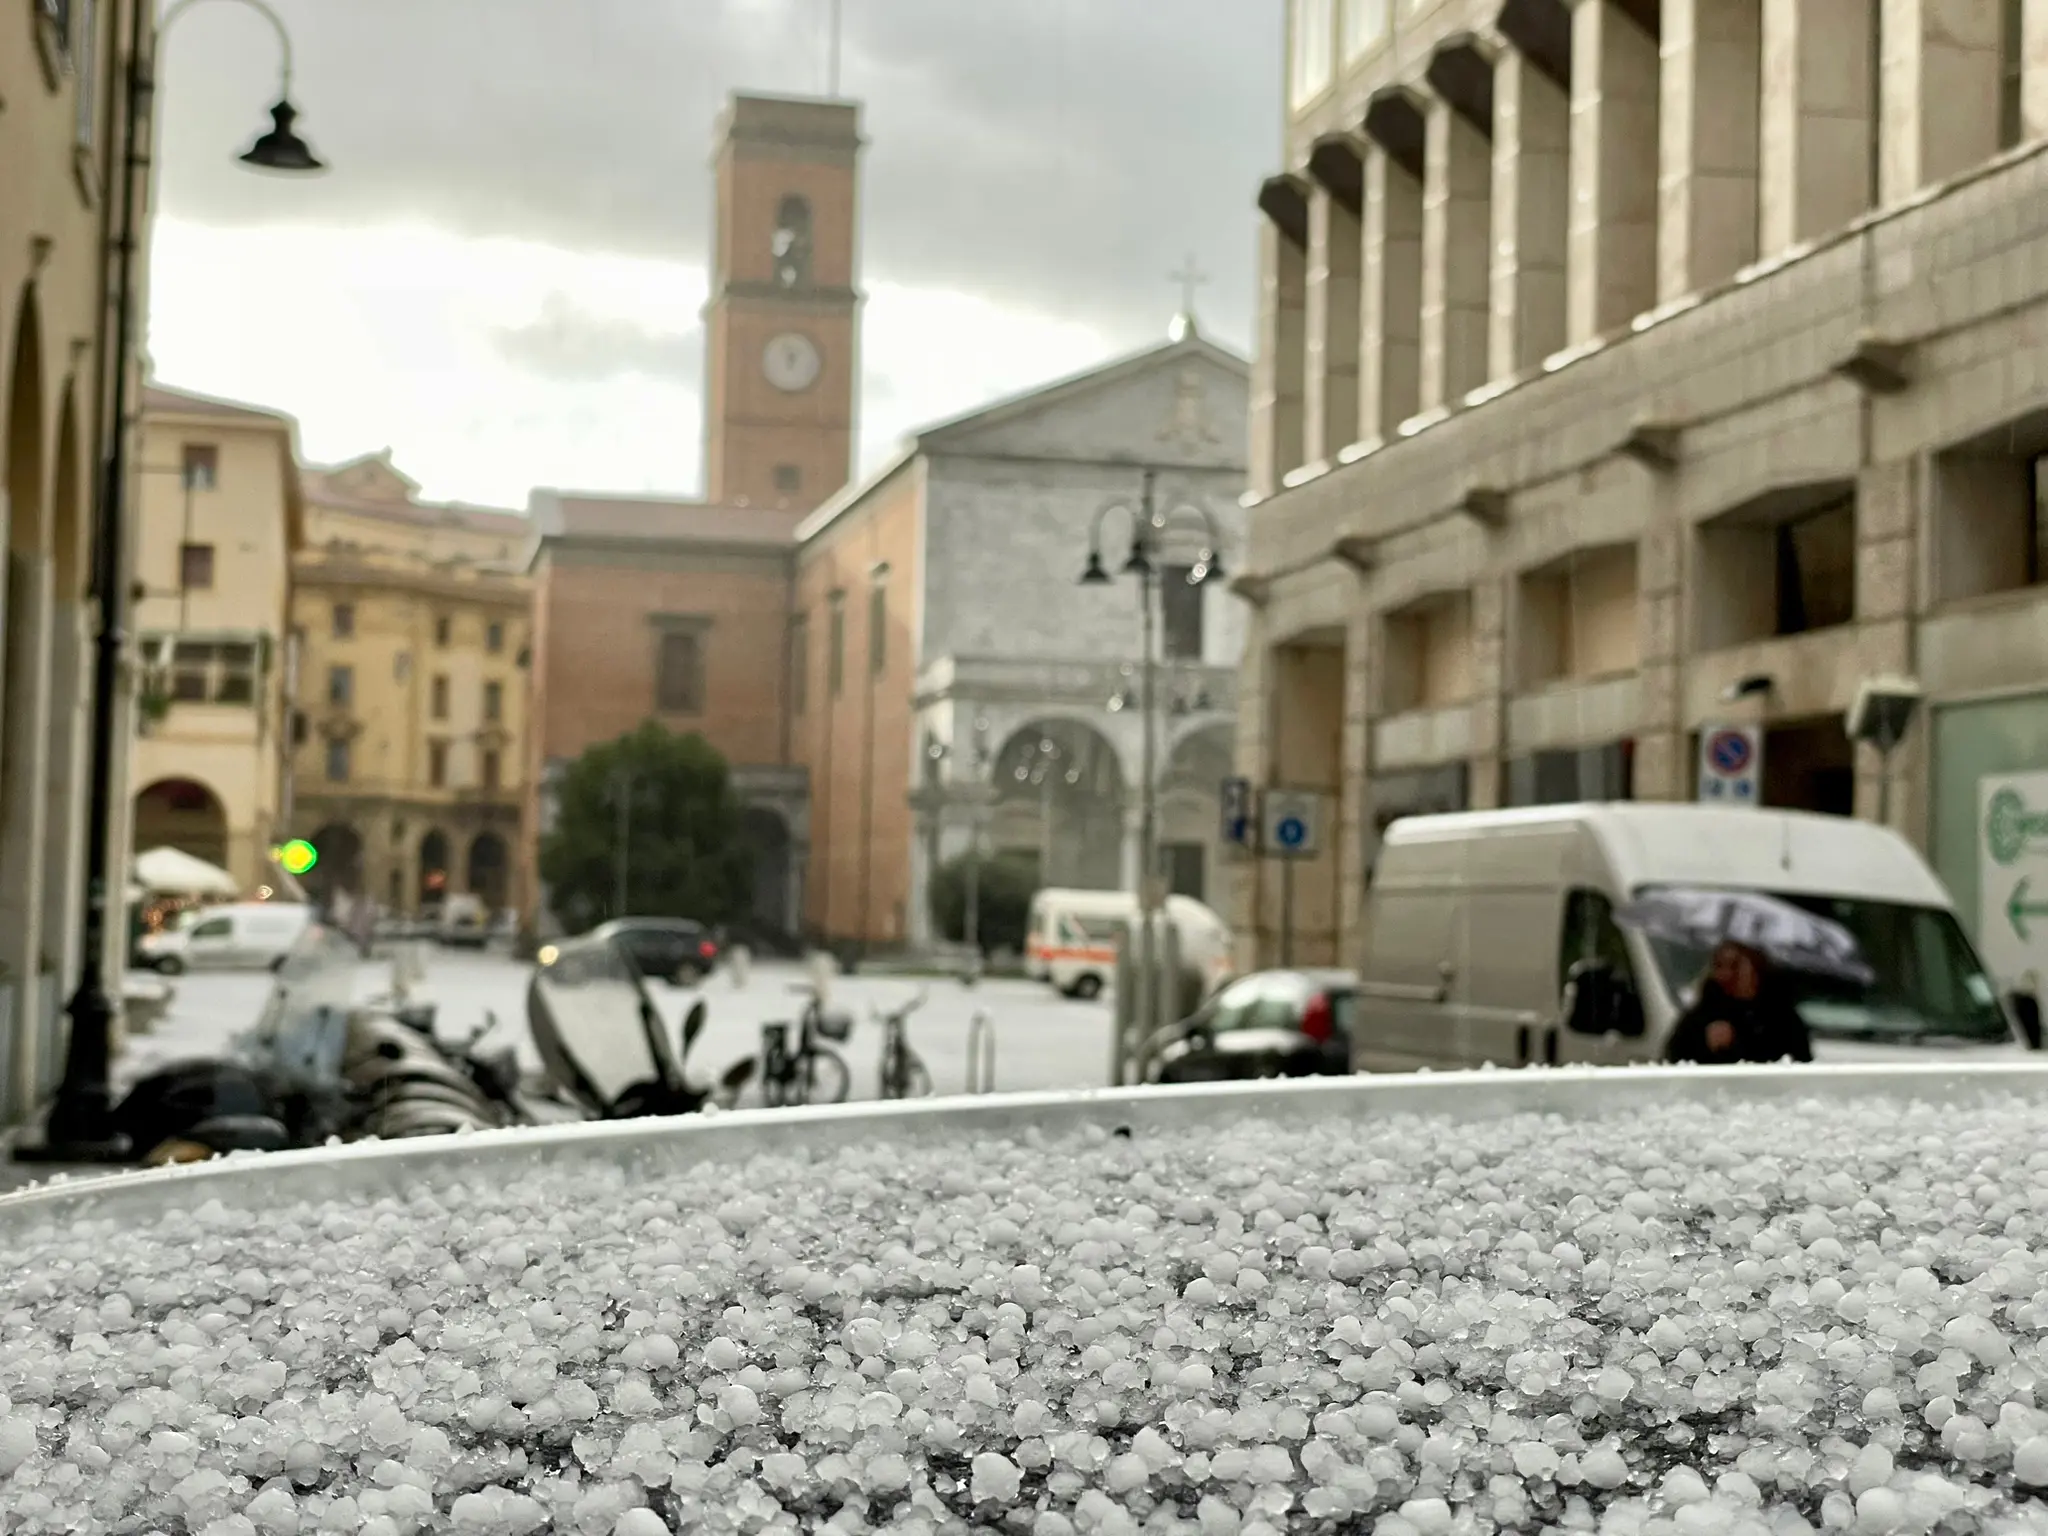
(1767, 1028)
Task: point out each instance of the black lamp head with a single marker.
(1139, 563)
(1207, 569)
(282, 150)
(1095, 575)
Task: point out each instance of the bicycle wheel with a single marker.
(823, 1079)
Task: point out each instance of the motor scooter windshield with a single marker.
(597, 1031)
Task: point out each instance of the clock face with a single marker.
(792, 362)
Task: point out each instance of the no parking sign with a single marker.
(1731, 765)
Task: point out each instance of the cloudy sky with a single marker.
(501, 277)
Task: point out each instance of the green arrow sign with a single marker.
(2018, 909)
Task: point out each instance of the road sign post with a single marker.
(1291, 824)
(1731, 765)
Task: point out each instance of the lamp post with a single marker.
(1148, 525)
(80, 1125)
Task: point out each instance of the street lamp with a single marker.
(1149, 524)
(80, 1124)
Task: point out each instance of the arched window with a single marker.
(792, 247)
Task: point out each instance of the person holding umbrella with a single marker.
(1741, 1014)
(1745, 1011)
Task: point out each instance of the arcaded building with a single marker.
(1629, 369)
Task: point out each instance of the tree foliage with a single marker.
(1007, 883)
(685, 852)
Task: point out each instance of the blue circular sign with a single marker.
(1729, 752)
(1290, 831)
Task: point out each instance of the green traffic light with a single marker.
(298, 856)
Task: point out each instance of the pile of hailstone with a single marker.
(1685, 1319)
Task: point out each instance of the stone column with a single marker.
(1707, 182)
(1613, 241)
(1661, 766)
(1887, 560)
(1133, 865)
(1279, 371)
(1355, 808)
(1391, 345)
(924, 862)
(64, 813)
(1816, 158)
(1942, 76)
(2034, 72)
(1532, 203)
(1489, 693)
(1457, 222)
(1330, 406)
(24, 761)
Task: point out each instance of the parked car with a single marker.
(463, 923)
(672, 948)
(253, 935)
(1291, 1023)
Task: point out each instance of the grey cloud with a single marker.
(1057, 154)
(569, 343)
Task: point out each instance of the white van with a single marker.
(247, 935)
(1473, 920)
(1073, 937)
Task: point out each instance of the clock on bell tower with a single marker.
(783, 320)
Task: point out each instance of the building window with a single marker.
(491, 770)
(341, 686)
(437, 705)
(444, 629)
(202, 466)
(799, 664)
(214, 671)
(85, 70)
(494, 637)
(344, 620)
(679, 671)
(437, 763)
(1365, 23)
(494, 701)
(337, 760)
(789, 479)
(299, 727)
(878, 629)
(1180, 614)
(791, 246)
(2012, 74)
(1313, 25)
(835, 646)
(195, 567)
(1816, 557)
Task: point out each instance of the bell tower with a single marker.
(782, 360)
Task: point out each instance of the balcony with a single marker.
(1421, 738)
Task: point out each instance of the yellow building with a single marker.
(413, 623)
(59, 132)
(221, 516)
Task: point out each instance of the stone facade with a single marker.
(414, 626)
(1788, 442)
(60, 125)
(223, 514)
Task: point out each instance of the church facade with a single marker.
(890, 664)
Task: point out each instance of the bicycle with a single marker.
(903, 1074)
(779, 1077)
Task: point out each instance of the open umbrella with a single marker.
(1784, 934)
(174, 872)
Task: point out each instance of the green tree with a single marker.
(1006, 885)
(672, 797)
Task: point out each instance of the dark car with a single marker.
(670, 948)
(1268, 1024)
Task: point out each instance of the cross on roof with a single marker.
(1190, 277)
